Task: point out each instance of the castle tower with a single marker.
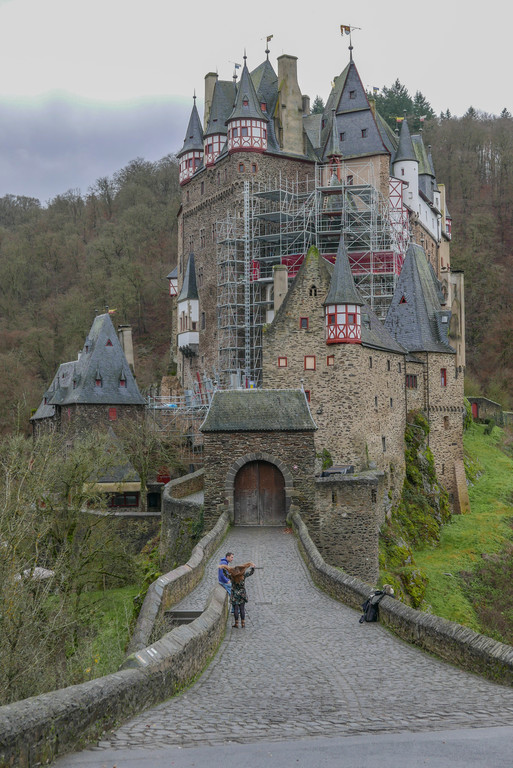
(406, 166)
(343, 303)
(247, 124)
(188, 312)
(191, 154)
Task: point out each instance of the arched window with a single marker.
(313, 290)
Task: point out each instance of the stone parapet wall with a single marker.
(181, 516)
(184, 486)
(36, 730)
(175, 585)
(446, 639)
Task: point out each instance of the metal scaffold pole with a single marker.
(247, 284)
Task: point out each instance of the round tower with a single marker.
(247, 124)
(190, 156)
(342, 306)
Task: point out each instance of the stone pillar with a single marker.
(290, 105)
(280, 275)
(210, 81)
(125, 339)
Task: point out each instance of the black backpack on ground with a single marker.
(370, 607)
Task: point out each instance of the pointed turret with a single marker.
(343, 303)
(191, 154)
(406, 167)
(188, 312)
(416, 318)
(247, 123)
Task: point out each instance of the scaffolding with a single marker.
(275, 222)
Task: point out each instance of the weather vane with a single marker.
(346, 29)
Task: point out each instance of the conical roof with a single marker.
(194, 136)
(415, 317)
(405, 149)
(189, 287)
(247, 104)
(342, 288)
(333, 146)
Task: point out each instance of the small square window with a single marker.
(254, 168)
(241, 167)
(342, 136)
(351, 318)
(282, 362)
(244, 131)
(307, 394)
(349, 180)
(309, 362)
(364, 133)
(443, 377)
(352, 94)
(303, 322)
(330, 360)
(332, 319)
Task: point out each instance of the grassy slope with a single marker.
(484, 530)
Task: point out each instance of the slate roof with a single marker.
(405, 150)
(415, 317)
(189, 286)
(390, 139)
(342, 288)
(194, 136)
(259, 410)
(353, 115)
(223, 100)
(173, 274)
(102, 357)
(246, 90)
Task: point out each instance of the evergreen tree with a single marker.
(393, 102)
(422, 111)
(317, 106)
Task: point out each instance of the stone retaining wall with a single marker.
(175, 585)
(36, 730)
(180, 518)
(448, 640)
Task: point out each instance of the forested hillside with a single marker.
(112, 246)
(474, 157)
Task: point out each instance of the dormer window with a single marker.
(74, 383)
(109, 343)
(364, 133)
(263, 106)
(343, 136)
(97, 382)
(122, 382)
(245, 101)
(352, 94)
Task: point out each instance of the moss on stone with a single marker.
(418, 517)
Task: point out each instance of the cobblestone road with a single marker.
(304, 666)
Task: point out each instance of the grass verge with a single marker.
(468, 539)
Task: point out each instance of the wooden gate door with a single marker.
(259, 495)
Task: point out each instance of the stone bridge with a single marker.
(303, 667)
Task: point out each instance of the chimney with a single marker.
(306, 105)
(280, 276)
(372, 105)
(125, 339)
(290, 103)
(210, 81)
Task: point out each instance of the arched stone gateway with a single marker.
(259, 495)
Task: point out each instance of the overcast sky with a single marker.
(88, 85)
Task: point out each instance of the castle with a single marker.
(314, 255)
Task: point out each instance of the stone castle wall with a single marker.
(358, 402)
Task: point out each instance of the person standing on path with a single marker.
(223, 579)
(239, 597)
